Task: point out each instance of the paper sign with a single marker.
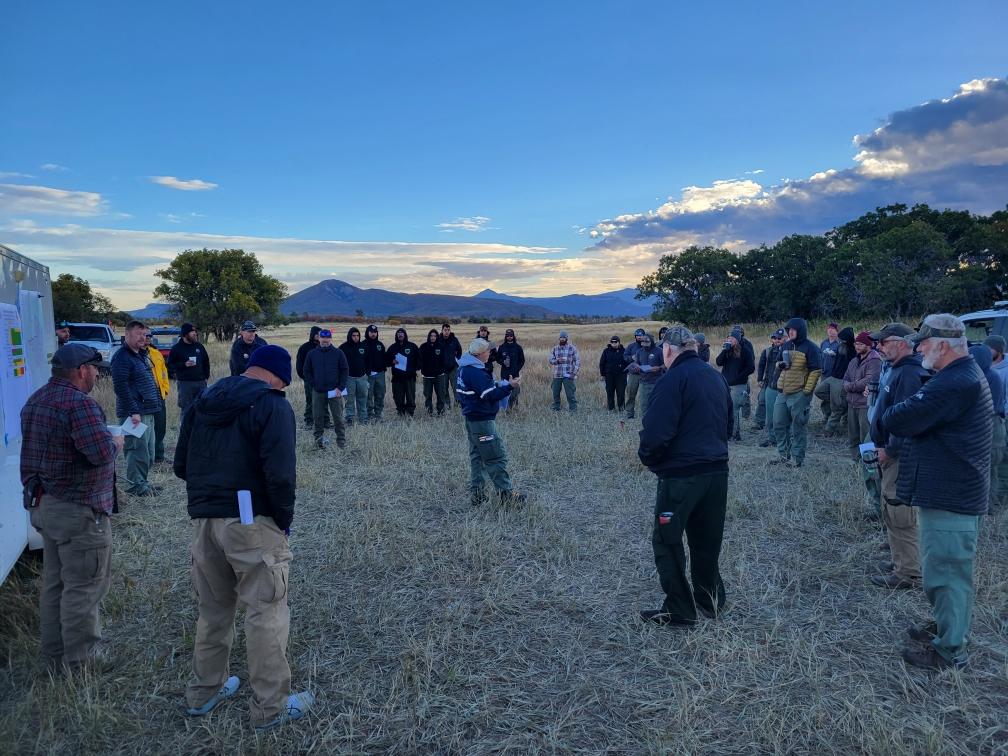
(245, 507)
(133, 430)
(400, 362)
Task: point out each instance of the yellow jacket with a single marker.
(160, 370)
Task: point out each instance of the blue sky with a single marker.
(529, 147)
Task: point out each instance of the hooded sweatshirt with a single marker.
(432, 359)
(355, 354)
(410, 351)
(985, 359)
(303, 350)
(374, 352)
(478, 395)
(844, 354)
(806, 364)
(452, 351)
(511, 357)
(238, 436)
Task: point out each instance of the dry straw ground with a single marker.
(427, 626)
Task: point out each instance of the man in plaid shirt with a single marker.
(67, 469)
(566, 363)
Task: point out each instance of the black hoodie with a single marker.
(410, 351)
(452, 352)
(355, 354)
(374, 352)
(238, 436)
(844, 354)
(303, 350)
(432, 359)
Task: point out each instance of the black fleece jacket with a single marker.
(303, 350)
(355, 353)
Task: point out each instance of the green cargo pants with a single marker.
(948, 548)
(695, 506)
(487, 456)
(791, 413)
(632, 384)
(740, 405)
(139, 453)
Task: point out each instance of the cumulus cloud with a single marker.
(474, 223)
(185, 185)
(28, 199)
(951, 152)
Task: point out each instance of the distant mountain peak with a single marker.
(489, 294)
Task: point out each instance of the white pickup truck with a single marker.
(97, 335)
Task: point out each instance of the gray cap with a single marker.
(563, 334)
(74, 355)
(248, 325)
(678, 336)
(930, 332)
(996, 343)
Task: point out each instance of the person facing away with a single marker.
(237, 440)
(244, 347)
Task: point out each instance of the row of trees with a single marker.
(892, 263)
(76, 301)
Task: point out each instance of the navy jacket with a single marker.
(326, 369)
(478, 395)
(238, 436)
(650, 357)
(687, 424)
(136, 391)
(904, 380)
(949, 422)
(240, 353)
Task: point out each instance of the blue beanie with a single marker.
(275, 359)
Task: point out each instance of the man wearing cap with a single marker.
(947, 479)
(901, 380)
(702, 347)
(684, 442)
(137, 401)
(237, 439)
(829, 348)
(633, 379)
(863, 370)
(566, 363)
(244, 346)
(452, 352)
(190, 363)
(611, 370)
(327, 372)
(737, 362)
(767, 374)
(160, 371)
(68, 473)
(62, 333)
(800, 371)
(511, 357)
(479, 397)
(1000, 367)
(377, 364)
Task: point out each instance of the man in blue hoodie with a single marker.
(479, 396)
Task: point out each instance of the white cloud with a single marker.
(473, 223)
(185, 185)
(27, 199)
(14, 174)
(53, 167)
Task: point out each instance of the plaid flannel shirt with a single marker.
(66, 443)
(565, 360)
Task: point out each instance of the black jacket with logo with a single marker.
(303, 350)
(355, 354)
(375, 358)
(432, 357)
(410, 351)
(514, 356)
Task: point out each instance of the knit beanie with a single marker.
(275, 359)
(864, 338)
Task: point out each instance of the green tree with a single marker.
(694, 286)
(219, 288)
(76, 301)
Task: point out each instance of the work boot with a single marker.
(780, 461)
(929, 659)
(662, 617)
(512, 497)
(99, 662)
(478, 497)
(885, 566)
(893, 581)
(923, 633)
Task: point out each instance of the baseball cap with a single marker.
(778, 334)
(563, 334)
(74, 355)
(638, 332)
(248, 325)
(62, 324)
(509, 332)
(678, 335)
(930, 332)
(891, 329)
(325, 333)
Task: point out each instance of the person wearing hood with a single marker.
(633, 379)
(377, 364)
(327, 372)
(737, 361)
(903, 378)
(357, 384)
(1000, 366)
(800, 371)
(302, 352)
(611, 370)
(830, 391)
(511, 357)
(479, 397)
(702, 347)
(648, 365)
(452, 352)
(984, 357)
(244, 346)
(864, 369)
(403, 357)
(237, 440)
(432, 368)
(566, 363)
(484, 333)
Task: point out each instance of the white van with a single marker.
(27, 343)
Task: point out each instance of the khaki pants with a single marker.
(76, 569)
(901, 527)
(250, 564)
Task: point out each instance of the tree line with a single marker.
(893, 263)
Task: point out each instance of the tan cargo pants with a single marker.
(76, 568)
(901, 527)
(234, 563)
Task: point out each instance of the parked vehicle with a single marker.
(163, 338)
(28, 338)
(984, 323)
(97, 335)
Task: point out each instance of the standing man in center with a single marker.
(244, 346)
(737, 363)
(189, 360)
(452, 353)
(566, 363)
(377, 364)
(511, 356)
(404, 358)
(137, 400)
(684, 441)
(799, 375)
(633, 379)
(326, 372)
(357, 384)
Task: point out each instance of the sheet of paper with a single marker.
(245, 507)
(869, 447)
(130, 430)
(333, 394)
(373, 373)
(400, 362)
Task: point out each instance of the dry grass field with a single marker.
(425, 625)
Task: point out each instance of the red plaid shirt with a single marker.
(66, 443)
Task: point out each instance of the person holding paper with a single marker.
(377, 364)
(566, 363)
(137, 400)
(326, 371)
(404, 359)
(648, 364)
(68, 472)
(357, 383)
(236, 452)
(189, 362)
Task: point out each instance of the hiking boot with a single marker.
(766, 443)
(885, 566)
(929, 659)
(923, 633)
(229, 689)
(512, 497)
(322, 443)
(662, 617)
(893, 581)
(780, 461)
(98, 663)
(478, 497)
(298, 705)
(149, 492)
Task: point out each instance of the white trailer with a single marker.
(27, 343)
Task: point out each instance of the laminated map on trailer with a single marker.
(15, 385)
